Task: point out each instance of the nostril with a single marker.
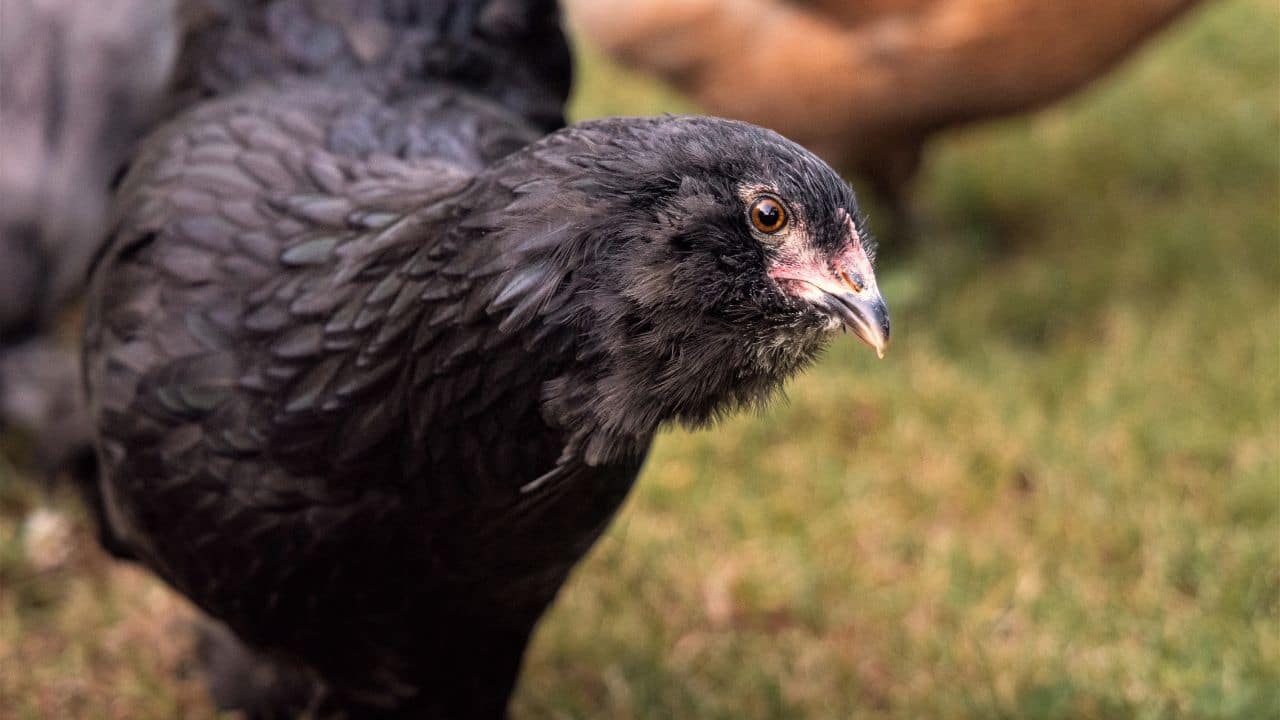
(853, 281)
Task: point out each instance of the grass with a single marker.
(1057, 497)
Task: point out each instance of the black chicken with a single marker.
(372, 363)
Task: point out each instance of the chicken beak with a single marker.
(849, 293)
(862, 313)
(852, 299)
(843, 287)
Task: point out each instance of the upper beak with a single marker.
(863, 313)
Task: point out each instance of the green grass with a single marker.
(1057, 497)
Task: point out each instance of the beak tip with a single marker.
(875, 326)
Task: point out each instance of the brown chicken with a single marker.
(864, 83)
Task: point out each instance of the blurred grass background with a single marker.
(1057, 497)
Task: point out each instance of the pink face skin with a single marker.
(843, 285)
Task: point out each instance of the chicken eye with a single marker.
(767, 214)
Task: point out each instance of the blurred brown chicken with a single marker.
(864, 83)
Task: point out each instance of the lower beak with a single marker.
(866, 317)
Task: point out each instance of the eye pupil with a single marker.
(767, 215)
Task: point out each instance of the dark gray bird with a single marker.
(79, 84)
(373, 361)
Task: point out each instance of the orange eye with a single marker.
(767, 214)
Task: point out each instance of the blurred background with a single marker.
(1057, 497)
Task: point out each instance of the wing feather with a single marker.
(300, 249)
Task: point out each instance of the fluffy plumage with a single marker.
(368, 401)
